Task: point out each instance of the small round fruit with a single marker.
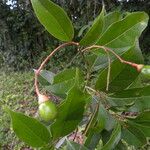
(146, 71)
(47, 110)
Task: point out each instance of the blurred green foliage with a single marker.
(24, 42)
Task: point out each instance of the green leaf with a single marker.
(103, 120)
(119, 34)
(98, 60)
(122, 75)
(29, 130)
(84, 28)
(65, 75)
(64, 81)
(140, 97)
(70, 113)
(133, 93)
(47, 148)
(142, 122)
(94, 129)
(46, 77)
(143, 117)
(74, 146)
(92, 140)
(54, 19)
(114, 139)
(95, 31)
(133, 136)
(111, 18)
(121, 146)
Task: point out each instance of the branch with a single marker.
(37, 72)
(134, 65)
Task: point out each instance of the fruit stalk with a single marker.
(37, 72)
(138, 67)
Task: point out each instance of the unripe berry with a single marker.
(47, 109)
(146, 71)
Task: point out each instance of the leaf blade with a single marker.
(137, 136)
(95, 31)
(111, 18)
(138, 96)
(70, 113)
(29, 129)
(123, 29)
(142, 122)
(119, 75)
(114, 139)
(64, 81)
(54, 19)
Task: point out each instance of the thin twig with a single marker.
(37, 72)
(75, 134)
(72, 59)
(108, 73)
(137, 66)
(86, 67)
(91, 119)
(87, 87)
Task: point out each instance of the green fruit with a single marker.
(47, 110)
(146, 71)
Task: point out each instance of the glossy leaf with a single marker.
(103, 120)
(133, 93)
(121, 146)
(122, 75)
(64, 81)
(137, 136)
(29, 130)
(54, 19)
(46, 77)
(84, 28)
(65, 75)
(70, 113)
(124, 32)
(93, 133)
(114, 139)
(95, 31)
(47, 148)
(111, 18)
(143, 117)
(92, 140)
(98, 60)
(142, 122)
(140, 97)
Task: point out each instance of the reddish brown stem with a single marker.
(137, 66)
(37, 72)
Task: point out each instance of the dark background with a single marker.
(24, 42)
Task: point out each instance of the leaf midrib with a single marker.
(68, 37)
(22, 122)
(120, 34)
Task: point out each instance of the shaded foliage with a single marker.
(24, 42)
